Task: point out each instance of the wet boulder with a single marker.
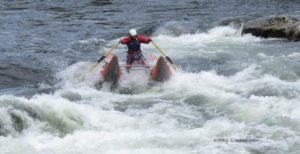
(274, 27)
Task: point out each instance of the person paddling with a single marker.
(134, 52)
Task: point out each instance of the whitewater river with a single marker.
(233, 93)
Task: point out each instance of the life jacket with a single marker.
(133, 46)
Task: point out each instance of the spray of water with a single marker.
(194, 112)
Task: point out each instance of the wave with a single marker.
(188, 113)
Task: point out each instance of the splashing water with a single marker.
(231, 87)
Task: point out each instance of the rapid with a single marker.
(233, 93)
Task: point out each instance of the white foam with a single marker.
(182, 115)
(196, 44)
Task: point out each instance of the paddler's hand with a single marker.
(100, 59)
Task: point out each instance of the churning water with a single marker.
(233, 93)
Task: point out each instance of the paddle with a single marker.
(167, 57)
(102, 57)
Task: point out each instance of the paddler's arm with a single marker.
(125, 40)
(144, 39)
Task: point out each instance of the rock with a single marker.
(274, 27)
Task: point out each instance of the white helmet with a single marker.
(132, 32)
